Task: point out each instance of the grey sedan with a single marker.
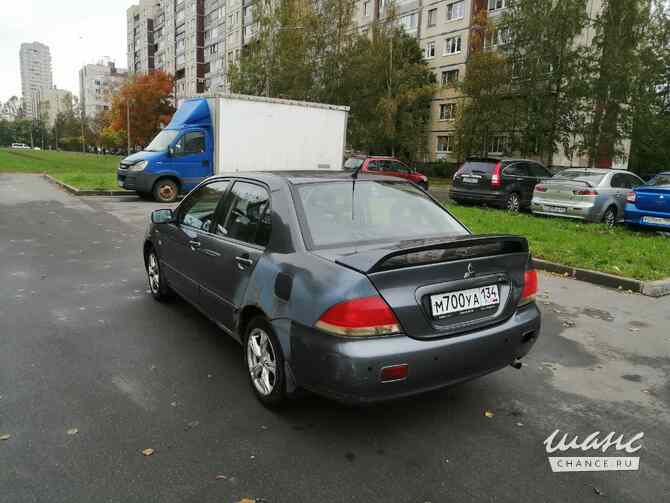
(359, 289)
(591, 194)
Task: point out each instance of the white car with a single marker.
(20, 145)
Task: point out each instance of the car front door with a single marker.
(181, 243)
(192, 158)
(241, 233)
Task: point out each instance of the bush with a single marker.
(438, 169)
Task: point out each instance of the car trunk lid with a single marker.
(564, 191)
(652, 198)
(413, 277)
(475, 175)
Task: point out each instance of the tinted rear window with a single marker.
(478, 167)
(592, 177)
(662, 180)
(382, 212)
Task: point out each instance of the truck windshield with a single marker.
(162, 141)
(382, 212)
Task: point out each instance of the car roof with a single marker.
(300, 177)
(600, 170)
(500, 159)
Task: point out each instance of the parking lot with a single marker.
(84, 347)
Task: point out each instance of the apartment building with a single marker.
(53, 102)
(36, 75)
(97, 84)
(194, 40)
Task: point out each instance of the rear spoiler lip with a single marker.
(555, 180)
(369, 261)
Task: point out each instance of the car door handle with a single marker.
(243, 262)
(194, 244)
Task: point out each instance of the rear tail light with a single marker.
(496, 181)
(631, 196)
(541, 188)
(585, 192)
(458, 172)
(365, 317)
(529, 286)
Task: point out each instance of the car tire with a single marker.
(513, 202)
(265, 363)
(158, 286)
(165, 190)
(609, 217)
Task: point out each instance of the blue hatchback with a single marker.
(649, 205)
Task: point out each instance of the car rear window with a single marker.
(353, 163)
(592, 177)
(478, 167)
(662, 180)
(381, 212)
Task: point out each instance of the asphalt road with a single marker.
(83, 346)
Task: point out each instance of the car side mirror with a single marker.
(162, 216)
(171, 151)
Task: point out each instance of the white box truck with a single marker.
(231, 133)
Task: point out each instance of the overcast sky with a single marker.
(76, 31)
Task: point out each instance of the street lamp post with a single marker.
(128, 123)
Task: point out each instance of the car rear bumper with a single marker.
(572, 209)
(348, 369)
(476, 196)
(635, 216)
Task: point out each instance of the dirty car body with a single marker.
(367, 286)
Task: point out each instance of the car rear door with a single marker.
(621, 184)
(240, 235)
(516, 177)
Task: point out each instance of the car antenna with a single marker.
(354, 177)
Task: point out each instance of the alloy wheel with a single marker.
(610, 217)
(513, 203)
(166, 192)
(153, 272)
(262, 361)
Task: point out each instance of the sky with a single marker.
(76, 31)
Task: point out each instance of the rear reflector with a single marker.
(496, 181)
(394, 373)
(585, 192)
(630, 197)
(529, 286)
(365, 317)
(541, 188)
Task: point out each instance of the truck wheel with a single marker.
(165, 191)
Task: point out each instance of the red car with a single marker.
(390, 166)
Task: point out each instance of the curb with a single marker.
(78, 192)
(657, 288)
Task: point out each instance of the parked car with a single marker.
(388, 166)
(649, 204)
(506, 183)
(20, 146)
(591, 194)
(359, 289)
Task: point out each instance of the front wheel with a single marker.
(157, 284)
(265, 363)
(165, 191)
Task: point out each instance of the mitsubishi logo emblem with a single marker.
(470, 272)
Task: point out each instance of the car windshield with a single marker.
(353, 163)
(584, 175)
(382, 212)
(162, 141)
(662, 180)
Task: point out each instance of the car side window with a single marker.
(633, 181)
(539, 171)
(618, 181)
(516, 169)
(197, 211)
(192, 142)
(248, 215)
(374, 166)
(400, 168)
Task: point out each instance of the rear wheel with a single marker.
(513, 202)
(165, 190)
(609, 218)
(265, 363)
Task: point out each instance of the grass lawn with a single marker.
(620, 251)
(84, 171)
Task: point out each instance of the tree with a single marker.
(150, 99)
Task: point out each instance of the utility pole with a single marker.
(128, 123)
(83, 137)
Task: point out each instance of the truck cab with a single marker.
(177, 159)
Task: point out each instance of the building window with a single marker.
(432, 17)
(497, 38)
(455, 11)
(449, 77)
(430, 50)
(366, 9)
(497, 4)
(498, 144)
(409, 22)
(445, 144)
(448, 111)
(452, 45)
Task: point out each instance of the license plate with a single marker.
(463, 301)
(656, 220)
(555, 209)
(470, 179)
